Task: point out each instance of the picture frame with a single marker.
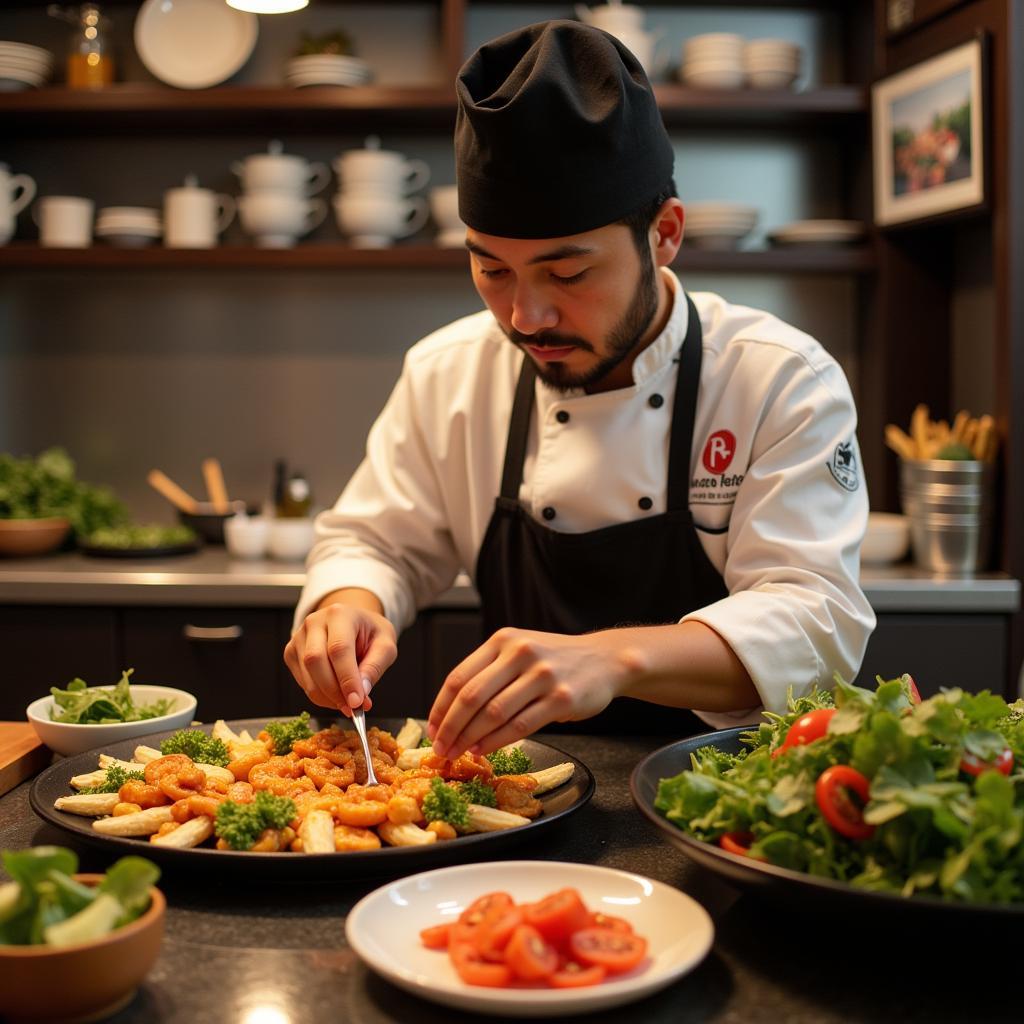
(928, 137)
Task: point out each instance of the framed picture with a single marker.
(929, 137)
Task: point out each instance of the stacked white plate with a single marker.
(818, 232)
(326, 69)
(771, 63)
(128, 227)
(713, 61)
(716, 225)
(23, 66)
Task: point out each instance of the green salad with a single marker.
(80, 704)
(139, 536)
(881, 790)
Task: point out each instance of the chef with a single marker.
(658, 494)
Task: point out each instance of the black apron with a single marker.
(648, 571)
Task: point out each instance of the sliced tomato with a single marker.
(529, 956)
(614, 951)
(492, 936)
(973, 765)
(806, 729)
(574, 975)
(436, 937)
(483, 905)
(617, 924)
(473, 969)
(738, 843)
(557, 916)
(832, 792)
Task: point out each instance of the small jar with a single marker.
(90, 61)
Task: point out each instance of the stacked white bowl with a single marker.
(326, 69)
(771, 63)
(444, 207)
(718, 225)
(373, 206)
(23, 66)
(128, 227)
(713, 61)
(275, 205)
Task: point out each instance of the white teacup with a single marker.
(16, 192)
(444, 207)
(277, 219)
(290, 539)
(65, 222)
(279, 172)
(642, 45)
(612, 17)
(380, 170)
(247, 536)
(374, 222)
(194, 217)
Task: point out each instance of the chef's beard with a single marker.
(623, 339)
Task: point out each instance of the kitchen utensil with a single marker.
(383, 928)
(276, 171)
(359, 721)
(65, 222)
(194, 44)
(16, 192)
(194, 216)
(208, 523)
(397, 860)
(32, 536)
(180, 499)
(215, 489)
(22, 754)
(795, 888)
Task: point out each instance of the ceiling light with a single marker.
(268, 6)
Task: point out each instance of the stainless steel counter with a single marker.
(212, 578)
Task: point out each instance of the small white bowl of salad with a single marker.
(81, 717)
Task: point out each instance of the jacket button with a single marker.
(549, 513)
(562, 416)
(656, 401)
(646, 504)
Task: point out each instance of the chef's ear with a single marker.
(667, 231)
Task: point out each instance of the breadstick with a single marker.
(899, 442)
(981, 441)
(956, 433)
(919, 430)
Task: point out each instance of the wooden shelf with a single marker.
(121, 109)
(27, 256)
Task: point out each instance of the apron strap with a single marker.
(518, 431)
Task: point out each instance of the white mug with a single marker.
(65, 222)
(194, 217)
(16, 192)
(380, 170)
(279, 172)
(374, 221)
(276, 219)
(444, 207)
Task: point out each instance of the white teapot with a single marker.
(16, 192)
(612, 17)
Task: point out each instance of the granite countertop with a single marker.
(244, 953)
(212, 578)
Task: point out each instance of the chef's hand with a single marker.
(341, 650)
(521, 680)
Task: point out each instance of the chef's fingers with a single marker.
(470, 666)
(293, 657)
(533, 717)
(342, 659)
(377, 649)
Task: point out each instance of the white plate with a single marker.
(383, 929)
(193, 44)
(819, 231)
(20, 75)
(25, 50)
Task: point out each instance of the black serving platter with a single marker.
(797, 888)
(392, 860)
(163, 551)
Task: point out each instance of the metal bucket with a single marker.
(949, 505)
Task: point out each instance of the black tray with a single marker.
(393, 860)
(98, 551)
(768, 879)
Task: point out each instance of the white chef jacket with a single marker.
(776, 492)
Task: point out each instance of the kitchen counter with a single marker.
(210, 577)
(275, 954)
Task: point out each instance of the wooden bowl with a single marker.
(89, 981)
(32, 536)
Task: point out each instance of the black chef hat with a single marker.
(557, 133)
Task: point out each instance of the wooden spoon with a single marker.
(172, 492)
(218, 493)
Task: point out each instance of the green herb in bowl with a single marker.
(80, 704)
(140, 537)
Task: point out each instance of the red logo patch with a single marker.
(719, 450)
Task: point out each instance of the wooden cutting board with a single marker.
(22, 754)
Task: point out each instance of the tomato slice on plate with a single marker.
(832, 792)
(483, 905)
(614, 951)
(492, 936)
(574, 975)
(473, 969)
(557, 916)
(528, 956)
(617, 924)
(436, 937)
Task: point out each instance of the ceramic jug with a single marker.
(16, 192)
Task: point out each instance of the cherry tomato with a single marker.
(738, 843)
(806, 729)
(574, 975)
(614, 951)
(973, 765)
(557, 916)
(834, 802)
(492, 936)
(436, 937)
(472, 919)
(617, 924)
(528, 955)
(915, 693)
(474, 970)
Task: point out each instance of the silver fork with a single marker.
(359, 720)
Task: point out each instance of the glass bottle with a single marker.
(90, 61)
(298, 498)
